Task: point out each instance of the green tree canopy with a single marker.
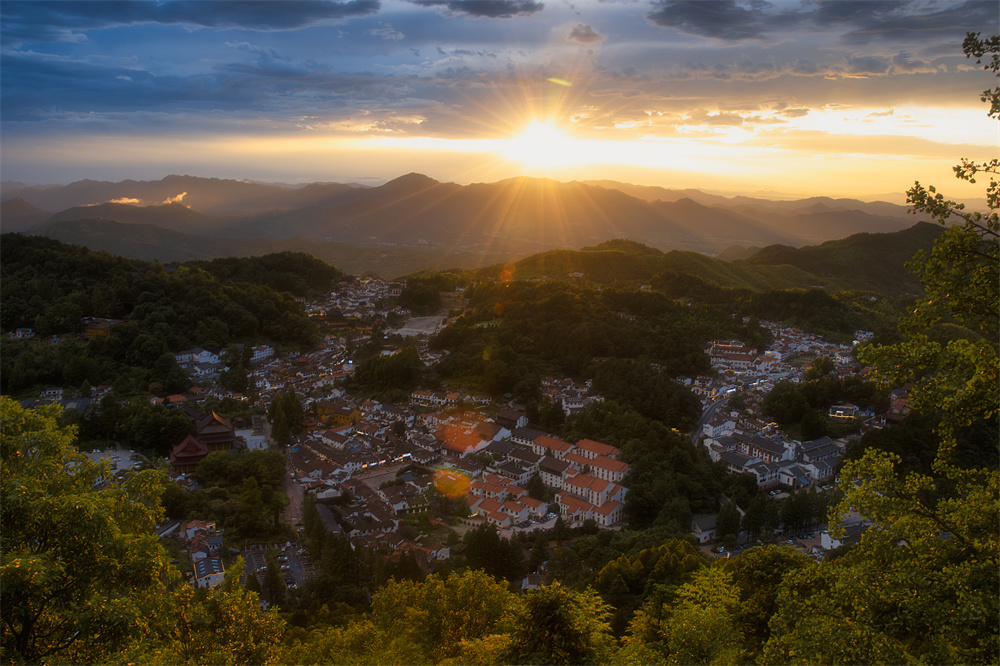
(920, 585)
(81, 563)
(85, 579)
(560, 626)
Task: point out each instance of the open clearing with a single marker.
(420, 326)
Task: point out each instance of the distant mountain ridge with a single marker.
(513, 217)
(18, 214)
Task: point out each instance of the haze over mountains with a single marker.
(415, 222)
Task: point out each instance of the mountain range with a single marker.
(416, 220)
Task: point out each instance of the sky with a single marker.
(788, 98)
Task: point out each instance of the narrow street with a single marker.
(292, 513)
(705, 418)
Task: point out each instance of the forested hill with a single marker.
(866, 261)
(875, 262)
(51, 287)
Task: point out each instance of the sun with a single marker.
(541, 145)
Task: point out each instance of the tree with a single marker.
(757, 574)
(821, 367)
(961, 275)
(536, 488)
(560, 626)
(441, 616)
(274, 584)
(538, 552)
(487, 550)
(920, 585)
(756, 514)
(223, 626)
(727, 523)
(702, 628)
(559, 530)
(250, 508)
(80, 567)
(694, 623)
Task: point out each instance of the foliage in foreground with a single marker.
(85, 580)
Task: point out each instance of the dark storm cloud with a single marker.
(900, 20)
(805, 66)
(36, 89)
(486, 8)
(867, 65)
(905, 62)
(584, 34)
(61, 20)
(716, 19)
(861, 21)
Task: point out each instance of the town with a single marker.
(372, 467)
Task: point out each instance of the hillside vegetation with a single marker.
(875, 262)
(51, 287)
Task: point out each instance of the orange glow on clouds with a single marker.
(840, 152)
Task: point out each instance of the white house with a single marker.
(208, 572)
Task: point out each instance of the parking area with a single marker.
(541, 524)
(120, 459)
(292, 560)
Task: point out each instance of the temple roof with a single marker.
(190, 450)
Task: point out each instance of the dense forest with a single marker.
(514, 333)
(51, 287)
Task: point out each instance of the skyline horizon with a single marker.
(896, 198)
(788, 98)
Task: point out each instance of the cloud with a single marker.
(177, 198)
(584, 34)
(33, 21)
(702, 117)
(858, 21)
(124, 200)
(905, 62)
(877, 20)
(867, 65)
(794, 113)
(386, 32)
(486, 8)
(715, 19)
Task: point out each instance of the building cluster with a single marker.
(740, 367)
(585, 476)
(572, 396)
(202, 364)
(776, 461)
(746, 441)
(204, 546)
(361, 301)
(211, 433)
